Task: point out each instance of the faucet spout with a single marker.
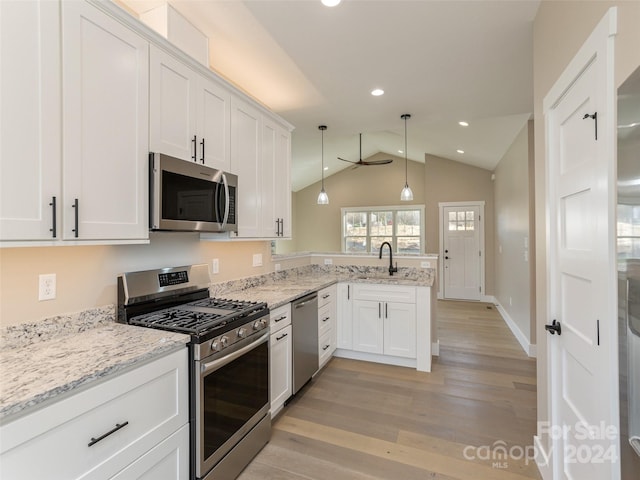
(391, 267)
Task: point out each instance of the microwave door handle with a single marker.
(226, 200)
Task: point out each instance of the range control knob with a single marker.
(257, 325)
(215, 346)
(242, 332)
(264, 322)
(224, 341)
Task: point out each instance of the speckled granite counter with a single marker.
(41, 361)
(285, 286)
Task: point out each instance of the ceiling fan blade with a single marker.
(345, 160)
(377, 162)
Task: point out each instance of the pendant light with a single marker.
(323, 198)
(406, 195)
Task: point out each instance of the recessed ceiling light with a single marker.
(463, 124)
(330, 3)
(400, 151)
(460, 151)
(377, 92)
(326, 168)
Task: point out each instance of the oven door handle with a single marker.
(207, 368)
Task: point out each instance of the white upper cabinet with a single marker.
(213, 125)
(260, 156)
(189, 113)
(172, 110)
(30, 125)
(105, 73)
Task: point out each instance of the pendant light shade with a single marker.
(406, 195)
(323, 198)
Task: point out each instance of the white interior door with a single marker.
(461, 252)
(581, 273)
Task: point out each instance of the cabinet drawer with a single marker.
(326, 296)
(280, 317)
(325, 348)
(326, 319)
(384, 293)
(153, 399)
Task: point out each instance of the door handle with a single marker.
(554, 328)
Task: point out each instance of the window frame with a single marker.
(394, 209)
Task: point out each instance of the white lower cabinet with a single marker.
(385, 323)
(137, 421)
(327, 337)
(280, 358)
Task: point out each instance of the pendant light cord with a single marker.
(322, 149)
(406, 176)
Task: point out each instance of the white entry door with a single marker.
(460, 251)
(581, 267)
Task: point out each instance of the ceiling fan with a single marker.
(369, 162)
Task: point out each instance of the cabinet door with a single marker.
(105, 126)
(271, 223)
(400, 329)
(172, 114)
(367, 326)
(30, 125)
(344, 326)
(280, 353)
(245, 162)
(282, 192)
(213, 122)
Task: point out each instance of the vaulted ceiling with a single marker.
(441, 61)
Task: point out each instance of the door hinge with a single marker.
(598, 331)
(480, 289)
(479, 253)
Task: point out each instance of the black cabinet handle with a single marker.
(113, 430)
(277, 227)
(281, 336)
(54, 229)
(77, 208)
(379, 310)
(194, 140)
(325, 319)
(348, 292)
(386, 310)
(279, 319)
(202, 143)
(325, 347)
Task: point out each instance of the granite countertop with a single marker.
(41, 362)
(282, 287)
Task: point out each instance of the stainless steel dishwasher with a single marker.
(304, 322)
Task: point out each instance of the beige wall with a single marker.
(318, 227)
(86, 276)
(512, 269)
(449, 181)
(560, 28)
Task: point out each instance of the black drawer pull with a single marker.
(325, 347)
(279, 319)
(325, 319)
(326, 296)
(281, 336)
(102, 437)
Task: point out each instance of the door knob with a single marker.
(554, 328)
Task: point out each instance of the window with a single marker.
(628, 231)
(364, 229)
(461, 221)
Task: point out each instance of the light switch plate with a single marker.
(328, 261)
(257, 259)
(425, 264)
(215, 265)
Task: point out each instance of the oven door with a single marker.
(232, 396)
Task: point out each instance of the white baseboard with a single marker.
(488, 298)
(529, 349)
(542, 459)
(435, 348)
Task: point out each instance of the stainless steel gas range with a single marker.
(229, 354)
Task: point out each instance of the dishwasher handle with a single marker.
(305, 302)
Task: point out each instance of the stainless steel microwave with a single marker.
(190, 197)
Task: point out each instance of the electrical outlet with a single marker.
(257, 259)
(328, 261)
(510, 302)
(47, 286)
(425, 264)
(215, 265)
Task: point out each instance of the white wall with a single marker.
(512, 234)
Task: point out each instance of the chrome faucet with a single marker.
(391, 267)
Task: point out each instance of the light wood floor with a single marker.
(365, 421)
